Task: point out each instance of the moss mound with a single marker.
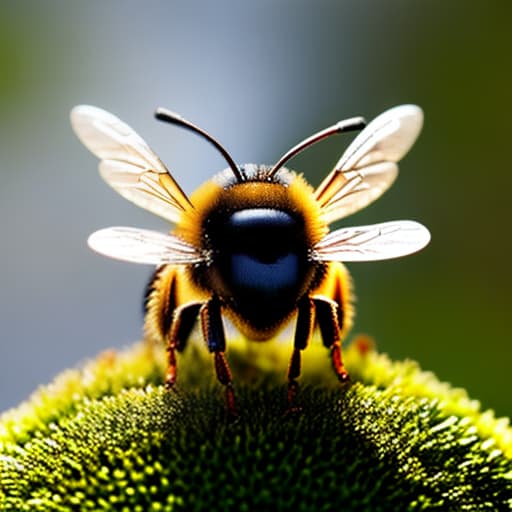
(108, 437)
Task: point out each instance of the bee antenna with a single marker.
(348, 125)
(162, 114)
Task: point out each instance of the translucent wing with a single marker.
(143, 246)
(370, 243)
(368, 166)
(127, 162)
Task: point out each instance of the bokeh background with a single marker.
(260, 76)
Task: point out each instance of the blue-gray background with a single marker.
(260, 76)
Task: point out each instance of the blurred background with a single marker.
(260, 76)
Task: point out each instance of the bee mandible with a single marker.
(253, 243)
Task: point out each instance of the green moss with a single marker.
(109, 437)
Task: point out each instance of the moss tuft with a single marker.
(108, 437)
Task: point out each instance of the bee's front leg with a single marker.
(213, 333)
(303, 333)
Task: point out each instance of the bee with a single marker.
(253, 244)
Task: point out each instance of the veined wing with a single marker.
(371, 243)
(143, 246)
(368, 166)
(127, 162)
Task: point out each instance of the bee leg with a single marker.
(303, 332)
(329, 317)
(183, 322)
(170, 376)
(293, 374)
(213, 333)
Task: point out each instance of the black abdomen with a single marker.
(260, 264)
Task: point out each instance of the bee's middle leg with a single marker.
(329, 317)
(183, 322)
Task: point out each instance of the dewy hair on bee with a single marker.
(253, 243)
